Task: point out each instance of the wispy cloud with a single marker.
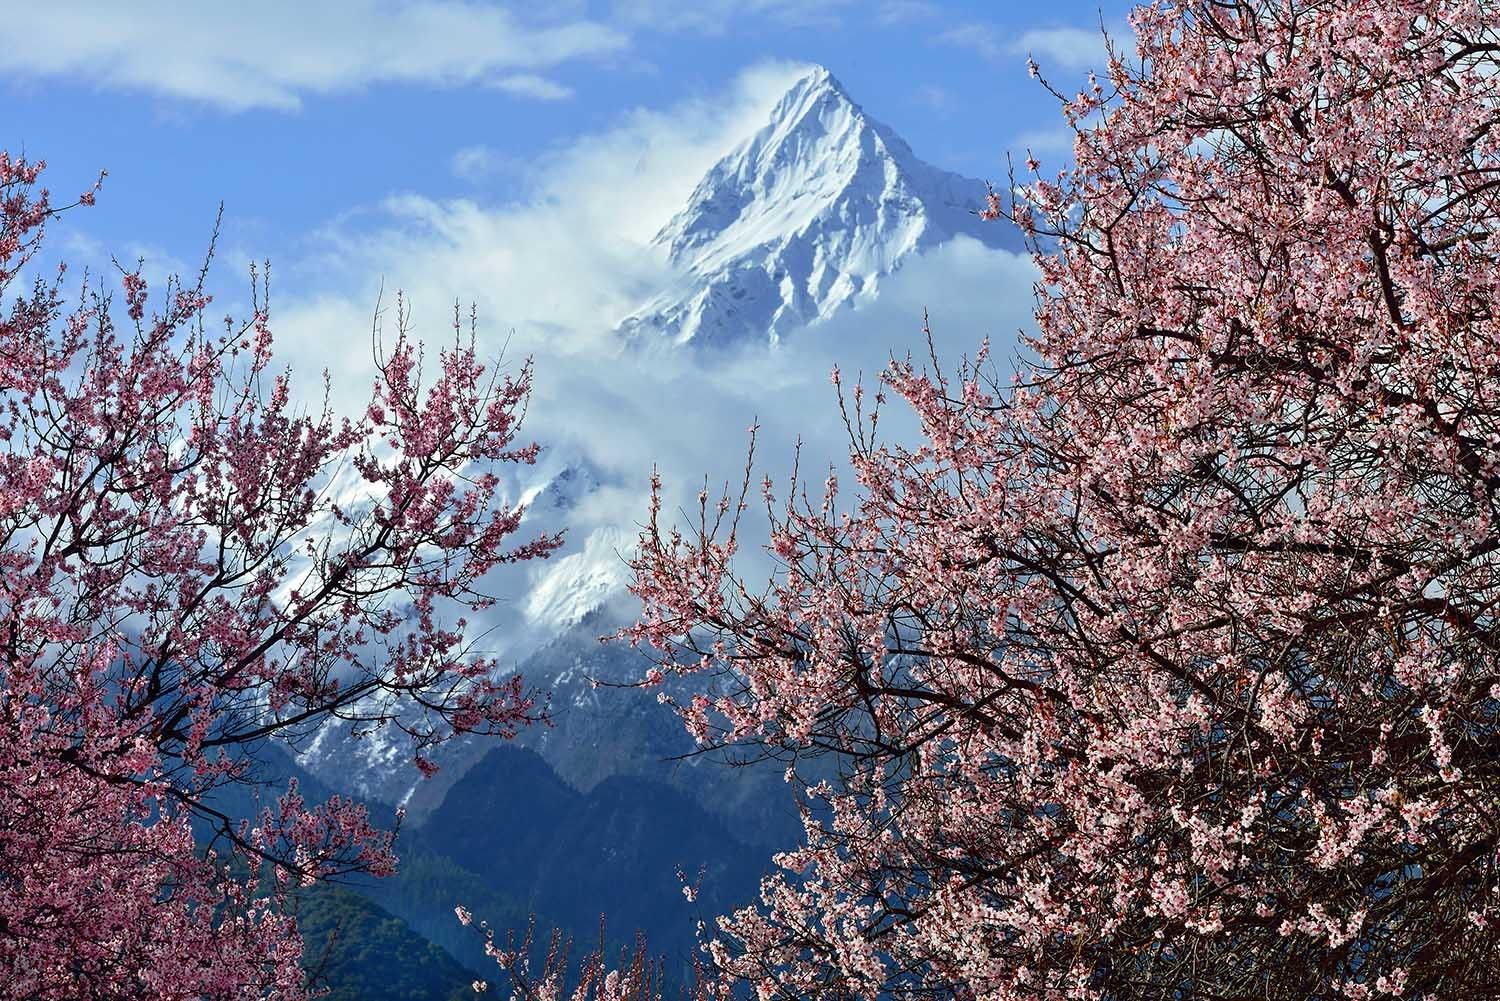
(274, 54)
(934, 98)
(896, 12)
(480, 163)
(1056, 140)
(1070, 48)
(984, 39)
(1066, 47)
(556, 268)
(567, 255)
(714, 17)
(530, 85)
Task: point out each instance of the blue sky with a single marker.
(295, 119)
(522, 162)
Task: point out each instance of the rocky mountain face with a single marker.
(802, 218)
(807, 216)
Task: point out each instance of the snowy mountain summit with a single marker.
(801, 219)
(805, 216)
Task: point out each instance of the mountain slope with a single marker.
(359, 952)
(807, 215)
(802, 218)
(615, 850)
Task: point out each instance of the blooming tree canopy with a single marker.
(1172, 669)
(190, 564)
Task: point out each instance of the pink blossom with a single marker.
(171, 597)
(1168, 669)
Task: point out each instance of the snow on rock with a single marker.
(804, 217)
(575, 585)
(561, 481)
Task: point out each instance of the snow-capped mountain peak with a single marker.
(801, 218)
(804, 217)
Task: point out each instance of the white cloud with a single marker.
(479, 163)
(1056, 141)
(536, 87)
(933, 97)
(896, 12)
(984, 39)
(1070, 48)
(553, 273)
(563, 261)
(274, 53)
(714, 17)
(1065, 47)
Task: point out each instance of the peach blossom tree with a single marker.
(1169, 668)
(190, 566)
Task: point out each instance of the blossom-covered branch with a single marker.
(1171, 670)
(189, 565)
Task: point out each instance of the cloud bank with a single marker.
(274, 53)
(553, 270)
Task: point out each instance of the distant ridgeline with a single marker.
(511, 840)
